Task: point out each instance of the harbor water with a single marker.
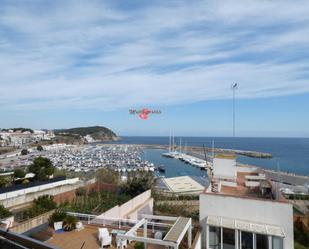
(289, 154)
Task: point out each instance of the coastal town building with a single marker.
(18, 138)
(251, 214)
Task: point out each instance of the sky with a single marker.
(69, 63)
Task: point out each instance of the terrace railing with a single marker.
(116, 222)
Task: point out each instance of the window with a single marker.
(261, 241)
(246, 240)
(277, 243)
(214, 237)
(228, 238)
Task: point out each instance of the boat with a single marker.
(161, 169)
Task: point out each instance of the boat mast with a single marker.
(169, 145)
(173, 141)
(180, 145)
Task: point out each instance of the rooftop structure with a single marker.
(224, 167)
(156, 232)
(183, 185)
(247, 213)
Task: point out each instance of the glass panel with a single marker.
(246, 240)
(261, 241)
(214, 237)
(228, 238)
(277, 243)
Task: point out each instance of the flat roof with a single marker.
(183, 184)
(244, 225)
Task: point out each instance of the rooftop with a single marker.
(169, 232)
(265, 190)
(182, 184)
(89, 236)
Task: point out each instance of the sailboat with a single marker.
(169, 153)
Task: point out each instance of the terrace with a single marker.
(155, 232)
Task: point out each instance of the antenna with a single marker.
(234, 87)
(205, 154)
(279, 180)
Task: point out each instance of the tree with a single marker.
(137, 183)
(45, 202)
(39, 148)
(19, 173)
(106, 175)
(42, 167)
(24, 152)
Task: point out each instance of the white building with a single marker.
(224, 167)
(244, 217)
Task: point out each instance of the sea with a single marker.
(289, 154)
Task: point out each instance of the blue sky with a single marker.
(78, 63)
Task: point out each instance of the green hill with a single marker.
(96, 132)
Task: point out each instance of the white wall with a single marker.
(132, 209)
(254, 210)
(224, 168)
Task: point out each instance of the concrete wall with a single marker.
(254, 210)
(132, 209)
(28, 197)
(32, 223)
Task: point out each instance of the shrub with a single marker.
(19, 173)
(45, 202)
(25, 182)
(4, 212)
(39, 148)
(106, 175)
(69, 223)
(81, 191)
(24, 152)
(58, 215)
(5, 181)
(139, 245)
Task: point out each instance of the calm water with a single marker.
(173, 167)
(292, 154)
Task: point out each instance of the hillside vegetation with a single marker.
(99, 133)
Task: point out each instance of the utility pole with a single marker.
(234, 88)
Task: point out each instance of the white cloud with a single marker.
(89, 54)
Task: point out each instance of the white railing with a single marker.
(91, 219)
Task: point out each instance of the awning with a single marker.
(177, 229)
(245, 226)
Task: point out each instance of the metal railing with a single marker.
(117, 222)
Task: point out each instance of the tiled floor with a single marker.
(89, 236)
